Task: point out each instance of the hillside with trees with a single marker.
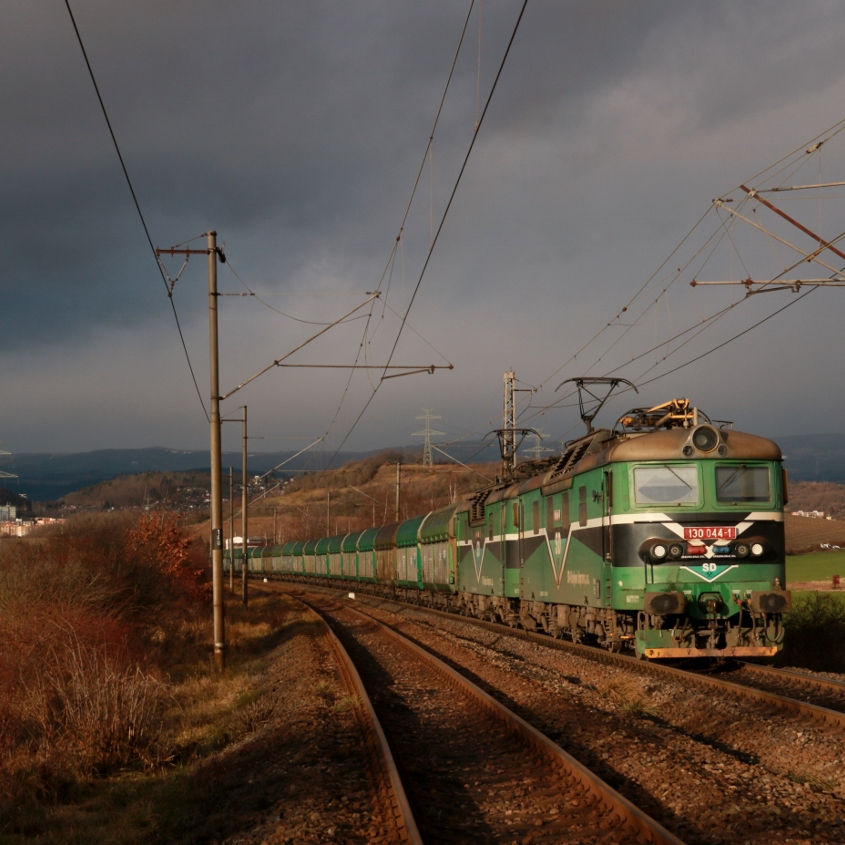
(358, 495)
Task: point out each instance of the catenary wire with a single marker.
(137, 204)
(397, 241)
(440, 226)
(268, 305)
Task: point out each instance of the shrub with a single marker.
(82, 614)
(100, 709)
(815, 631)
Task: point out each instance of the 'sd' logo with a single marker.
(477, 554)
(709, 571)
(557, 554)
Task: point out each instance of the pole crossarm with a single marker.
(799, 187)
(174, 251)
(429, 369)
(417, 368)
(278, 361)
(775, 283)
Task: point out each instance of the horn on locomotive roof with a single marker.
(588, 415)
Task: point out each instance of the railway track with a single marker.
(817, 699)
(391, 802)
(474, 771)
(824, 693)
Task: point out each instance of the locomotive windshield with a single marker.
(666, 484)
(742, 484)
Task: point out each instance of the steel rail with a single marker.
(792, 705)
(823, 715)
(793, 675)
(643, 826)
(375, 742)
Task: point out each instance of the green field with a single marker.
(816, 566)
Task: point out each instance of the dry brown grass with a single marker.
(168, 723)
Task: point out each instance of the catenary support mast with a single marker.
(218, 608)
(216, 460)
(509, 425)
(244, 516)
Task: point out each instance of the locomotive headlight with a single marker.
(742, 550)
(676, 551)
(757, 549)
(659, 551)
(705, 439)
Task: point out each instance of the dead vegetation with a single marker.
(107, 681)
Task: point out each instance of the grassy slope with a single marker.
(818, 567)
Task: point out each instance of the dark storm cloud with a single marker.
(296, 131)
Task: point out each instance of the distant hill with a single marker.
(47, 477)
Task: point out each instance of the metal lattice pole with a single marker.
(427, 432)
(509, 424)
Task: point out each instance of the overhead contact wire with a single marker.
(137, 204)
(457, 182)
(408, 209)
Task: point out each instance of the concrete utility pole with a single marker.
(231, 530)
(244, 518)
(216, 460)
(213, 252)
(328, 513)
(398, 465)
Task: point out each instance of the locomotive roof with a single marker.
(605, 446)
(669, 445)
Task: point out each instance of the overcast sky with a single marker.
(296, 131)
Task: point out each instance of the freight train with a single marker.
(663, 535)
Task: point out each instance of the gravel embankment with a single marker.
(707, 765)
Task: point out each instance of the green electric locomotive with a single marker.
(663, 535)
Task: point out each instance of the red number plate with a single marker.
(721, 532)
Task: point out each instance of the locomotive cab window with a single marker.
(735, 484)
(666, 484)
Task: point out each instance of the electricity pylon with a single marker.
(537, 449)
(427, 432)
